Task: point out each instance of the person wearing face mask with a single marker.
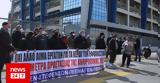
(80, 41)
(100, 42)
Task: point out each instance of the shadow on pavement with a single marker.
(146, 63)
(114, 76)
(124, 79)
(144, 72)
(138, 71)
(132, 65)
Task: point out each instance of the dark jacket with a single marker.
(88, 42)
(30, 42)
(71, 42)
(119, 46)
(80, 42)
(5, 43)
(100, 44)
(16, 37)
(42, 42)
(64, 42)
(22, 43)
(138, 44)
(108, 39)
(113, 45)
(54, 42)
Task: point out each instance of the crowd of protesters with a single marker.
(39, 39)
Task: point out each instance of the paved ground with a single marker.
(147, 71)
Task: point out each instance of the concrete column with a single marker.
(61, 18)
(84, 13)
(144, 8)
(128, 9)
(112, 4)
(31, 13)
(43, 11)
(107, 32)
(151, 15)
(22, 12)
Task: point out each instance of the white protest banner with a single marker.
(50, 64)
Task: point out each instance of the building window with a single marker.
(37, 9)
(70, 4)
(52, 4)
(99, 11)
(71, 23)
(74, 19)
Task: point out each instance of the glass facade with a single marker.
(94, 33)
(72, 23)
(74, 19)
(70, 4)
(99, 11)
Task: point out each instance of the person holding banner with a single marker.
(6, 48)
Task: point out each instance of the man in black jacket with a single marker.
(138, 50)
(112, 47)
(100, 42)
(6, 48)
(80, 41)
(16, 37)
(54, 41)
(42, 41)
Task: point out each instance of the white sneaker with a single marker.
(109, 65)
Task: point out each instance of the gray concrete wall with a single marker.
(84, 13)
(153, 41)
